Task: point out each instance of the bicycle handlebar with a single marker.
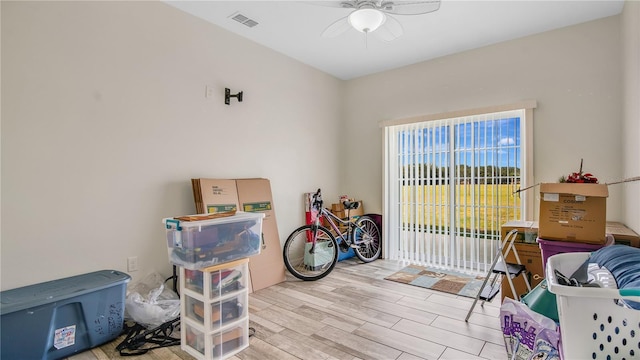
(317, 200)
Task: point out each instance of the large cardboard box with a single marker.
(527, 231)
(573, 212)
(214, 195)
(250, 195)
(266, 269)
(531, 257)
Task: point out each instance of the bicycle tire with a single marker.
(307, 266)
(367, 241)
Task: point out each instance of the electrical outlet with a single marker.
(132, 263)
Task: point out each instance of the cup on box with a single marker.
(530, 235)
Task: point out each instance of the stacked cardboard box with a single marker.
(249, 195)
(569, 212)
(529, 254)
(622, 234)
(573, 212)
(527, 231)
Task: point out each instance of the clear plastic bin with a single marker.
(220, 313)
(199, 244)
(222, 282)
(217, 345)
(592, 324)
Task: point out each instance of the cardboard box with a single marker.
(250, 195)
(573, 212)
(622, 234)
(531, 258)
(527, 231)
(214, 195)
(266, 269)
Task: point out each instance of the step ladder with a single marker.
(500, 268)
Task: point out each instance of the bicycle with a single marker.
(311, 251)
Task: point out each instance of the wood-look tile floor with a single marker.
(355, 314)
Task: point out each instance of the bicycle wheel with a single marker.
(305, 261)
(366, 238)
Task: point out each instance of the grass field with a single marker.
(483, 207)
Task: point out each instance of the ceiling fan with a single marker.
(375, 17)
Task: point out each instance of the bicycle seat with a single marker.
(348, 205)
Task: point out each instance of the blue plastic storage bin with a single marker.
(59, 318)
(346, 255)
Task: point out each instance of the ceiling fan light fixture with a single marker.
(367, 20)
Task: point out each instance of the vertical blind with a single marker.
(450, 184)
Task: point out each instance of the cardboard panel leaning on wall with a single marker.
(266, 269)
(214, 195)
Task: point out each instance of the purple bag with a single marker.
(527, 334)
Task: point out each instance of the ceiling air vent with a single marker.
(242, 19)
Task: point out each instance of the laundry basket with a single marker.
(592, 324)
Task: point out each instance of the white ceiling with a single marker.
(293, 28)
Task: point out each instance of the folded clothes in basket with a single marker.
(621, 261)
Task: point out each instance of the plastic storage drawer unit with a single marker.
(199, 244)
(59, 318)
(214, 310)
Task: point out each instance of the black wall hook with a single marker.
(228, 96)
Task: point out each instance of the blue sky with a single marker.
(496, 143)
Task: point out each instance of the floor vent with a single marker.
(242, 19)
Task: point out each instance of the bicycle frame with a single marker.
(333, 221)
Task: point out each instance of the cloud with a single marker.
(506, 141)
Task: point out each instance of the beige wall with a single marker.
(105, 121)
(573, 73)
(631, 119)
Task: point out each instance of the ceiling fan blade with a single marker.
(400, 7)
(345, 4)
(390, 30)
(336, 28)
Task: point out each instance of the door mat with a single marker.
(448, 281)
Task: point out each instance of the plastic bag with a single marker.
(528, 334)
(149, 303)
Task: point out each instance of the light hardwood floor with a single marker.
(355, 314)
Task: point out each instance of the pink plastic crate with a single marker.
(549, 248)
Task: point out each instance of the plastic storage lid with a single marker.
(238, 217)
(35, 295)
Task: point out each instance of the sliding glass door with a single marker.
(450, 184)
